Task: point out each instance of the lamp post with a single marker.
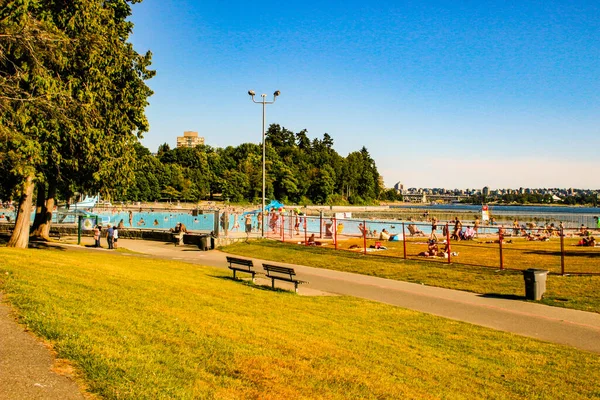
(264, 103)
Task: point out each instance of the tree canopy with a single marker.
(298, 170)
(72, 97)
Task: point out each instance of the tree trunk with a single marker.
(42, 229)
(20, 235)
(40, 208)
(50, 202)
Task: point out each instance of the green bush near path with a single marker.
(577, 292)
(156, 329)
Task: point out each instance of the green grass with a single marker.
(577, 292)
(154, 329)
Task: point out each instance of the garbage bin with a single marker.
(203, 244)
(535, 283)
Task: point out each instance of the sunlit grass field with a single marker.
(152, 329)
(517, 253)
(578, 292)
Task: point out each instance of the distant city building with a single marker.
(399, 187)
(189, 139)
(485, 191)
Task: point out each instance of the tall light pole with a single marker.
(264, 103)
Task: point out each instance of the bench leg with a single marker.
(273, 283)
(234, 274)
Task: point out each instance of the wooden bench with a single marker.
(242, 265)
(282, 274)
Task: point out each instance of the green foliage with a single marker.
(72, 95)
(534, 198)
(297, 171)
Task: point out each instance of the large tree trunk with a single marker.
(40, 207)
(42, 221)
(20, 236)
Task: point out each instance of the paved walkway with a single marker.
(26, 366)
(553, 324)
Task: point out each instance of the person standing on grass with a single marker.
(110, 236)
(476, 227)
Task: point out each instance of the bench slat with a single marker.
(240, 261)
(279, 269)
(248, 264)
(282, 270)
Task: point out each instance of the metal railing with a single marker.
(516, 247)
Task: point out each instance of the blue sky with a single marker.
(455, 94)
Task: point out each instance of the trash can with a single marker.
(535, 283)
(203, 243)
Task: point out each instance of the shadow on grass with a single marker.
(584, 253)
(46, 246)
(502, 296)
(248, 282)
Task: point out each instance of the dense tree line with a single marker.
(533, 198)
(72, 100)
(298, 170)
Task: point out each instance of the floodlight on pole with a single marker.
(264, 103)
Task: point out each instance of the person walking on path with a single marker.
(115, 237)
(97, 229)
(110, 236)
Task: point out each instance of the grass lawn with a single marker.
(155, 329)
(578, 292)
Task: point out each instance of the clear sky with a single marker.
(454, 94)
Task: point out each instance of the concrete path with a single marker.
(26, 366)
(554, 324)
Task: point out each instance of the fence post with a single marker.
(404, 240)
(282, 228)
(335, 232)
(500, 240)
(364, 232)
(448, 243)
(79, 230)
(562, 251)
(321, 224)
(305, 235)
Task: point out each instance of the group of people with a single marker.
(588, 241)
(434, 251)
(111, 235)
